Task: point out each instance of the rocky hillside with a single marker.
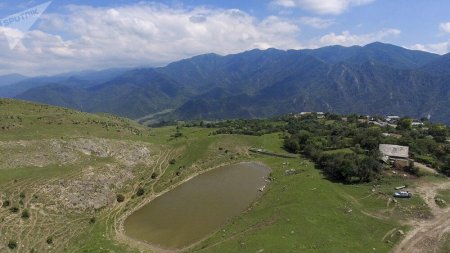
(60, 169)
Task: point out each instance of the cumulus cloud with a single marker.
(333, 7)
(347, 39)
(316, 22)
(437, 48)
(445, 27)
(141, 34)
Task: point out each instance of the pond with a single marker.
(199, 207)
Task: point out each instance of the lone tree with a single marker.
(404, 124)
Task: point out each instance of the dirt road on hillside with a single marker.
(426, 234)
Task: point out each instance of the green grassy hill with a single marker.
(24, 120)
(68, 179)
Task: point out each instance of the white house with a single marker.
(398, 155)
(394, 151)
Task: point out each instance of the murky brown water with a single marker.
(198, 207)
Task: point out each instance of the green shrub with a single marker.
(49, 240)
(12, 244)
(426, 160)
(25, 214)
(6, 203)
(154, 175)
(446, 166)
(120, 198)
(140, 191)
(14, 209)
(177, 135)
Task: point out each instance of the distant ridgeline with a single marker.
(377, 79)
(347, 148)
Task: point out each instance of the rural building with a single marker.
(320, 115)
(392, 119)
(397, 136)
(379, 123)
(394, 151)
(417, 123)
(399, 155)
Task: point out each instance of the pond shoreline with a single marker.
(145, 246)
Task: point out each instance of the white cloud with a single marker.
(445, 27)
(141, 34)
(347, 39)
(437, 48)
(334, 7)
(316, 22)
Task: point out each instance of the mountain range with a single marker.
(374, 79)
(11, 79)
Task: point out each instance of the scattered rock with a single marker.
(291, 172)
(93, 190)
(61, 152)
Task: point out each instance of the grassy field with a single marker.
(307, 213)
(27, 121)
(443, 195)
(303, 212)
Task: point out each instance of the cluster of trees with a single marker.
(350, 167)
(346, 152)
(354, 139)
(315, 135)
(429, 144)
(247, 127)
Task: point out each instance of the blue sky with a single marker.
(76, 35)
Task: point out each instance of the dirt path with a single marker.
(426, 234)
